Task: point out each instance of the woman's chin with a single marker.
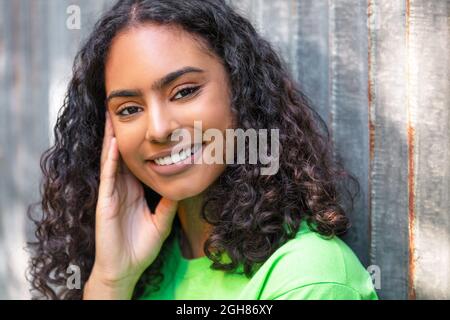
(178, 195)
(188, 186)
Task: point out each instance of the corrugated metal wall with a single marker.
(377, 70)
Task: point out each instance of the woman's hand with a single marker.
(128, 237)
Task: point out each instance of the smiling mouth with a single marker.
(178, 157)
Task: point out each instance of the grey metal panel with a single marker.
(389, 146)
(429, 104)
(278, 22)
(23, 131)
(348, 106)
(64, 44)
(36, 54)
(312, 54)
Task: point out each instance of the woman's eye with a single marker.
(185, 92)
(129, 110)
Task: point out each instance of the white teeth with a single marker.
(175, 157)
(182, 155)
(167, 160)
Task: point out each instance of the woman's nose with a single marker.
(161, 124)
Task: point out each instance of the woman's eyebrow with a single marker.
(159, 84)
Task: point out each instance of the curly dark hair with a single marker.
(251, 214)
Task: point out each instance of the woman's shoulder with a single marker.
(315, 267)
(317, 257)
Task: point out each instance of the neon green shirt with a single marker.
(306, 267)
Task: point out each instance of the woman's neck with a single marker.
(194, 230)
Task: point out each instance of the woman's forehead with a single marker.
(161, 49)
(154, 42)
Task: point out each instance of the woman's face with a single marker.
(145, 110)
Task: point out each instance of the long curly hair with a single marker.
(251, 214)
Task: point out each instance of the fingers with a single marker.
(109, 170)
(108, 134)
(164, 214)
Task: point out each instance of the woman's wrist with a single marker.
(98, 287)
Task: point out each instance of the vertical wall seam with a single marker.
(371, 143)
(332, 72)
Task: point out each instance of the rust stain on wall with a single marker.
(411, 180)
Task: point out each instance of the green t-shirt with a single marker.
(306, 267)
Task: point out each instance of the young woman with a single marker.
(142, 221)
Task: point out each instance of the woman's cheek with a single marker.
(128, 144)
(211, 115)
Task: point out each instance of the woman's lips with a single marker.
(175, 168)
